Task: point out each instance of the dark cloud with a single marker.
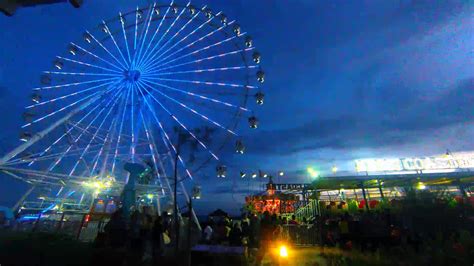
(392, 119)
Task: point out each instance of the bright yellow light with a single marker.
(420, 186)
(149, 196)
(98, 184)
(334, 169)
(312, 173)
(283, 251)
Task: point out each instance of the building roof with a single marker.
(392, 180)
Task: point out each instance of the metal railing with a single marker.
(75, 227)
(309, 211)
(300, 235)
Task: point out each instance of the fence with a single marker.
(301, 235)
(73, 225)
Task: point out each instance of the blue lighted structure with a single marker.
(121, 91)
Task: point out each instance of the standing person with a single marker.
(208, 231)
(146, 228)
(116, 230)
(293, 220)
(278, 228)
(235, 238)
(136, 244)
(293, 228)
(157, 239)
(245, 224)
(266, 236)
(344, 229)
(254, 230)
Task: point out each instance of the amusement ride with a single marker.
(163, 86)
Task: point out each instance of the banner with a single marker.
(415, 163)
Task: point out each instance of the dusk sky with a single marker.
(345, 80)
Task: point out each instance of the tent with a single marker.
(7, 212)
(218, 213)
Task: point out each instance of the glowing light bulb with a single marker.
(283, 252)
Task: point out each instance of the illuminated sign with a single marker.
(281, 187)
(415, 164)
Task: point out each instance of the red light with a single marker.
(87, 218)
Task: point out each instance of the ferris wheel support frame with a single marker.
(40, 135)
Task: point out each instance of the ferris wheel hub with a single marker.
(132, 75)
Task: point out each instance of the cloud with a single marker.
(387, 121)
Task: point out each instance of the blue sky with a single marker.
(345, 80)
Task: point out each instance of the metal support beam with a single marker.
(46, 131)
(365, 196)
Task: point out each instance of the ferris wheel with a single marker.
(149, 85)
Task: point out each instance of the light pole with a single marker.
(181, 138)
(196, 195)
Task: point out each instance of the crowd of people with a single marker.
(366, 232)
(145, 237)
(140, 238)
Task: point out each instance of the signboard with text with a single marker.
(282, 187)
(415, 163)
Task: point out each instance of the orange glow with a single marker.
(283, 251)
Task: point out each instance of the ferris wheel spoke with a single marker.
(144, 58)
(51, 168)
(158, 28)
(72, 84)
(210, 83)
(143, 38)
(191, 110)
(96, 56)
(200, 50)
(107, 50)
(198, 95)
(167, 31)
(136, 30)
(80, 73)
(169, 28)
(150, 146)
(62, 109)
(179, 122)
(87, 64)
(103, 146)
(66, 133)
(168, 143)
(122, 22)
(124, 109)
(88, 131)
(159, 70)
(200, 70)
(116, 45)
(159, 59)
(42, 158)
(94, 136)
(68, 95)
(113, 129)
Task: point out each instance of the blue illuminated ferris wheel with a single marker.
(130, 90)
